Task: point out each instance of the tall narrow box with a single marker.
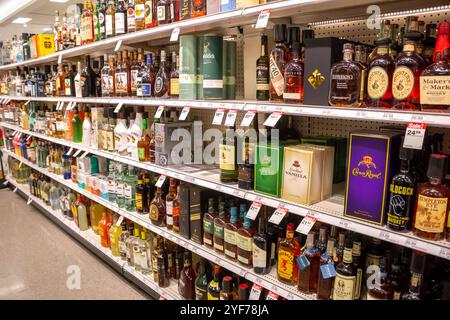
(226, 5)
(184, 196)
(188, 67)
(195, 214)
(268, 166)
(328, 169)
(371, 162)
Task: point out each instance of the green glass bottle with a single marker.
(201, 283)
(77, 127)
(228, 156)
(129, 189)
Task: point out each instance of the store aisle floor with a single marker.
(35, 254)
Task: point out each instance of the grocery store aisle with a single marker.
(35, 254)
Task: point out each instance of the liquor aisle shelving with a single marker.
(311, 120)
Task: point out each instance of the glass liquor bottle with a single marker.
(361, 59)
(288, 251)
(120, 17)
(293, 77)
(131, 16)
(158, 210)
(144, 142)
(345, 281)
(339, 248)
(308, 277)
(322, 241)
(162, 80)
(108, 77)
(97, 66)
(77, 80)
(174, 77)
(345, 83)
(169, 203)
(381, 287)
(141, 194)
(277, 62)
(88, 79)
(219, 225)
(129, 189)
(228, 156)
(208, 224)
(373, 256)
(110, 19)
(77, 127)
(99, 20)
(186, 282)
(230, 234)
(114, 234)
(176, 211)
(175, 10)
(262, 72)
(162, 265)
(87, 23)
(402, 194)
(214, 287)
(123, 237)
(246, 165)
(125, 75)
(146, 79)
(432, 206)
(139, 14)
(261, 248)
(245, 242)
(228, 292)
(417, 269)
(163, 11)
(103, 227)
(201, 282)
(134, 71)
(150, 14)
(145, 253)
(325, 286)
(69, 82)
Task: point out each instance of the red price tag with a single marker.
(272, 296)
(306, 225)
(253, 210)
(415, 134)
(278, 215)
(255, 292)
(263, 19)
(160, 181)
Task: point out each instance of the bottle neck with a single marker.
(416, 282)
(435, 181)
(347, 258)
(348, 55)
(404, 166)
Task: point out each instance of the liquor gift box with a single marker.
(45, 44)
(340, 153)
(164, 143)
(372, 160)
(320, 55)
(188, 66)
(198, 203)
(268, 165)
(302, 174)
(185, 9)
(184, 196)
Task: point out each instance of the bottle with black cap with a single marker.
(402, 194)
(432, 205)
(243, 291)
(417, 269)
(345, 281)
(278, 59)
(293, 77)
(306, 35)
(293, 36)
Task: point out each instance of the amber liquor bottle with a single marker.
(308, 277)
(131, 16)
(150, 14)
(245, 243)
(277, 63)
(230, 234)
(262, 73)
(169, 203)
(382, 288)
(219, 232)
(121, 17)
(345, 281)
(110, 19)
(162, 80)
(357, 264)
(158, 210)
(186, 282)
(126, 74)
(208, 224)
(87, 23)
(174, 6)
(246, 166)
(134, 72)
(293, 77)
(119, 77)
(175, 77)
(198, 8)
(162, 267)
(325, 286)
(288, 251)
(417, 269)
(431, 214)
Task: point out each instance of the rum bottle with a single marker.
(108, 77)
(158, 210)
(288, 251)
(278, 59)
(308, 277)
(262, 73)
(293, 77)
(345, 281)
(134, 71)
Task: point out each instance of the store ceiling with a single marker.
(42, 13)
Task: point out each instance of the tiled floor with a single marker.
(35, 255)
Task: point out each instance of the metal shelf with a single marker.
(329, 211)
(92, 241)
(361, 114)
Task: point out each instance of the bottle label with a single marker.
(211, 297)
(200, 293)
(148, 12)
(101, 19)
(243, 259)
(159, 85)
(107, 82)
(161, 14)
(259, 257)
(110, 140)
(87, 29)
(120, 22)
(141, 153)
(131, 18)
(109, 25)
(227, 157)
(67, 90)
(291, 96)
(139, 201)
(230, 236)
(169, 210)
(276, 77)
(244, 243)
(431, 214)
(435, 90)
(174, 87)
(134, 80)
(344, 287)
(285, 266)
(377, 83)
(119, 189)
(399, 205)
(218, 232)
(127, 191)
(146, 90)
(402, 83)
(262, 78)
(140, 12)
(153, 212)
(121, 82)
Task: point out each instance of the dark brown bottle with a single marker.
(158, 210)
(325, 286)
(162, 265)
(227, 292)
(186, 283)
(308, 277)
(344, 283)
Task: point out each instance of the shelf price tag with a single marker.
(60, 58)
(303, 262)
(231, 118)
(61, 107)
(306, 225)
(119, 221)
(175, 34)
(77, 153)
(119, 106)
(248, 118)
(159, 112)
(160, 181)
(57, 105)
(263, 19)
(69, 106)
(218, 117)
(278, 215)
(253, 210)
(255, 292)
(272, 120)
(415, 133)
(20, 164)
(272, 296)
(328, 270)
(29, 201)
(69, 152)
(28, 138)
(118, 45)
(184, 113)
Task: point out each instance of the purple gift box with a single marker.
(372, 160)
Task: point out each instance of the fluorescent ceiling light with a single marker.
(10, 7)
(60, 1)
(21, 20)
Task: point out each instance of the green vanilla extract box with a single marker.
(269, 169)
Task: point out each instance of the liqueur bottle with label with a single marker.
(261, 248)
(345, 281)
(174, 9)
(174, 77)
(246, 165)
(219, 225)
(88, 79)
(325, 286)
(381, 287)
(110, 20)
(345, 83)
(288, 251)
(134, 71)
(131, 16)
(169, 203)
(198, 8)
(121, 17)
(293, 77)
(228, 156)
(150, 14)
(99, 20)
(162, 267)
(126, 74)
(158, 210)
(208, 224)
(431, 214)
(361, 60)
(228, 292)
(108, 77)
(146, 79)
(87, 23)
(139, 12)
(308, 277)
(162, 80)
(214, 286)
(277, 63)
(417, 269)
(402, 194)
(230, 234)
(262, 72)
(245, 243)
(357, 264)
(201, 282)
(321, 243)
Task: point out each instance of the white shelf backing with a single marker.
(289, 292)
(329, 211)
(169, 293)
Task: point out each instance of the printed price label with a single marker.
(69, 152)
(118, 45)
(415, 133)
(218, 117)
(306, 225)
(253, 210)
(119, 221)
(248, 118)
(57, 105)
(60, 58)
(278, 215)
(231, 118)
(29, 201)
(20, 164)
(272, 120)
(272, 296)
(184, 113)
(119, 106)
(84, 155)
(175, 34)
(255, 292)
(263, 19)
(303, 262)
(328, 270)
(160, 181)
(159, 112)
(77, 153)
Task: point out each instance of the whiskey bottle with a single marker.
(134, 72)
(230, 234)
(119, 81)
(108, 77)
(169, 203)
(429, 42)
(357, 264)
(141, 193)
(345, 281)
(163, 11)
(162, 80)
(246, 162)
(278, 59)
(219, 226)
(293, 77)
(262, 73)
(88, 78)
(261, 248)
(162, 267)
(158, 210)
(97, 66)
(176, 211)
(288, 251)
(245, 243)
(126, 74)
(150, 14)
(339, 248)
(308, 277)
(214, 286)
(174, 77)
(201, 282)
(345, 85)
(228, 156)
(227, 292)
(325, 286)
(87, 23)
(186, 282)
(110, 19)
(322, 241)
(139, 11)
(146, 79)
(381, 288)
(121, 18)
(432, 204)
(401, 194)
(208, 224)
(361, 59)
(417, 269)
(131, 17)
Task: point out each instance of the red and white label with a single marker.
(231, 118)
(248, 118)
(218, 117)
(414, 136)
(306, 225)
(184, 113)
(278, 215)
(263, 19)
(255, 292)
(160, 181)
(253, 210)
(273, 119)
(159, 112)
(272, 296)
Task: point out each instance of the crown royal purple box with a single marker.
(372, 160)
